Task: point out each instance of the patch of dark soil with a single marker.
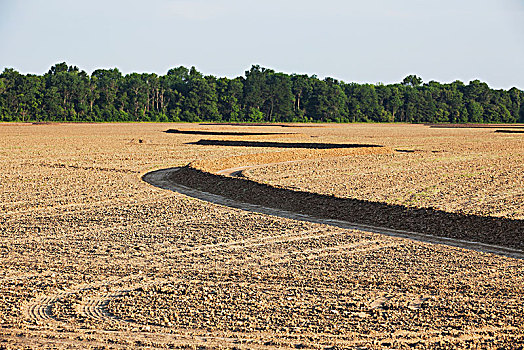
(266, 124)
(309, 145)
(45, 123)
(476, 126)
(408, 150)
(511, 131)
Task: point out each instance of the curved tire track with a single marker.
(97, 307)
(41, 308)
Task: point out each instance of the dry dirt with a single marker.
(93, 257)
(471, 171)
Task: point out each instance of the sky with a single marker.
(366, 41)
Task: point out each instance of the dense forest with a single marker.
(66, 93)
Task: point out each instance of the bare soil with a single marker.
(461, 171)
(93, 257)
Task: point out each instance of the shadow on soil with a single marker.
(490, 230)
(475, 126)
(511, 131)
(224, 133)
(266, 124)
(311, 145)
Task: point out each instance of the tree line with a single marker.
(66, 93)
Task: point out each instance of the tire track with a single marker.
(97, 307)
(41, 308)
(331, 253)
(82, 207)
(343, 249)
(257, 242)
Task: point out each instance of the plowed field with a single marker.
(92, 256)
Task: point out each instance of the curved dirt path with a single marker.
(239, 171)
(161, 178)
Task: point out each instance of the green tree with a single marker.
(279, 99)
(301, 88)
(201, 100)
(67, 93)
(229, 93)
(412, 80)
(104, 87)
(255, 89)
(327, 102)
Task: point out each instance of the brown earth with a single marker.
(471, 172)
(93, 257)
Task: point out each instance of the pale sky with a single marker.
(354, 41)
